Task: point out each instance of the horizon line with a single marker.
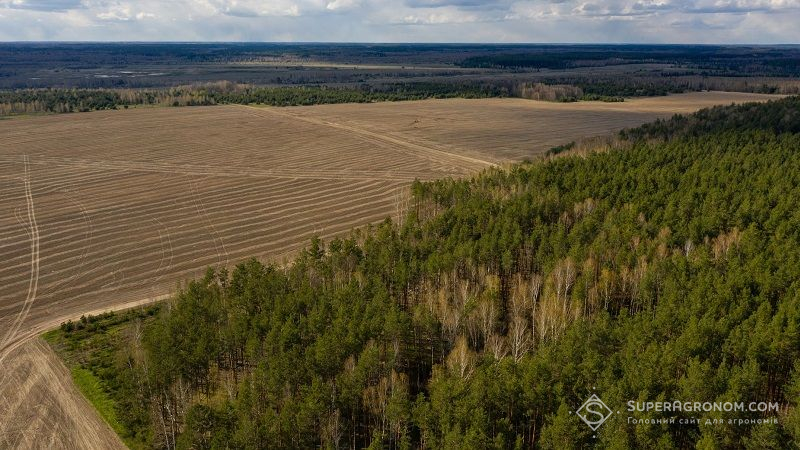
(405, 43)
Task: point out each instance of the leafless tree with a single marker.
(461, 360)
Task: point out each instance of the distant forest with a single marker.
(38, 101)
(56, 100)
(72, 77)
(710, 60)
(663, 267)
(47, 101)
(33, 101)
(730, 60)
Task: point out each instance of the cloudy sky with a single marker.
(593, 21)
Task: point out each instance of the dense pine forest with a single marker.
(665, 267)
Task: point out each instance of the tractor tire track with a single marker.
(33, 284)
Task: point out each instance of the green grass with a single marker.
(88, 348)
(51, 337)
(91, 387)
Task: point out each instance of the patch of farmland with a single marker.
(510, 129)
(130, 203)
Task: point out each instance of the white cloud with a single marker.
(441, 16)
(342, 5)
(710, 21)
(254, 8)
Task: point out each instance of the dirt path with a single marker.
(33, 284)
(428, 151)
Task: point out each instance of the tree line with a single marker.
(720, 60)
(33, 101)
(559, 89)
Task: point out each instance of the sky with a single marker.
(487, 21)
